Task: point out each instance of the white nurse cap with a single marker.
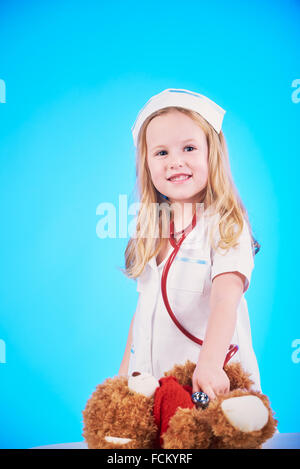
(182, 98)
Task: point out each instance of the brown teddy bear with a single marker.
(140, 412)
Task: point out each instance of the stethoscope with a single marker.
(201, 400)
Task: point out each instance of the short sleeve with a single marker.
(238, 258)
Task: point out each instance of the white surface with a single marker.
(78, 445)
(279, 441)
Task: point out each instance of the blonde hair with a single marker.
(220, 195)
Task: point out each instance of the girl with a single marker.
(183, 175)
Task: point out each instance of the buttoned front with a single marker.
(157, 343)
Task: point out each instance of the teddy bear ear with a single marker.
(143, 383)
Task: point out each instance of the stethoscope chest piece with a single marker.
(200, 399)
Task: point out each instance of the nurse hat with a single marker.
(207, 108)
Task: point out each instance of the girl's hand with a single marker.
(211, 379)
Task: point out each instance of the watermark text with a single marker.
(296, 352)
(2, 91)
(114, 221)
(2, 351)
(296, 93)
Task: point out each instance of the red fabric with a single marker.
(168, 397)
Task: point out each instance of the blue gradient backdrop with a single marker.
(75, 74)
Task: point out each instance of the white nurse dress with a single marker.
(157, 343)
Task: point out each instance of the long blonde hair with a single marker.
(220, 194)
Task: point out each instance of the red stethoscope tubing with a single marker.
(176, 244)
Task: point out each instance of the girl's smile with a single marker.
(179, 178)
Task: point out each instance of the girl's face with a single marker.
(176, 145)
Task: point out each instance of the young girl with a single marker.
(183, 176)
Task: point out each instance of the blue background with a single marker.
(76, 75)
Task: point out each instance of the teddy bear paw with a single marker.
(116, 440)
(245, 413)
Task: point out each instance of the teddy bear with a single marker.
(141, 412)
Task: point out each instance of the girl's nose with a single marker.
(175, 164)
(175, 160)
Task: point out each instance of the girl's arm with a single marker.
(123, 371)
(226, 292)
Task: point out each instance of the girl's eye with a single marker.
(159, 153)
(189, 146)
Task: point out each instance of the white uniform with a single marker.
(157, 343)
